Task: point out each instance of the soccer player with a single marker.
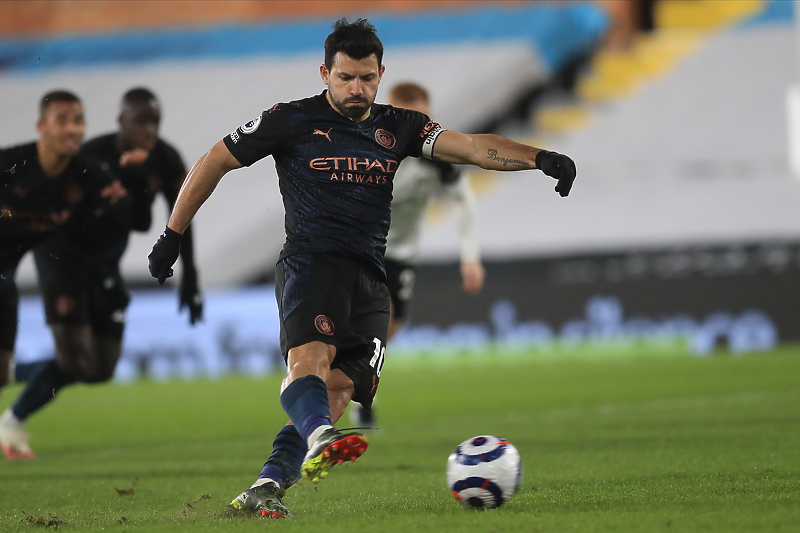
(46, 188)
(415, 183)
(84, 294)
(336, 155)
(146, 165)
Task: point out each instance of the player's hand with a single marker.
(164, 254)
(557, 166)
(190, 296)
(59, 217)
(472, 273)
(134, 157)
(114, 193)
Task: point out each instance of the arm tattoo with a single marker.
(491, 153)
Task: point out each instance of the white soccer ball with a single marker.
(484, 472)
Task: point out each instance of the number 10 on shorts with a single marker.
(377, 358)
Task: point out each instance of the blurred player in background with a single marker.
(147, 165)
(416, 182)
(46, 189)
(84, 295)
(336, 155)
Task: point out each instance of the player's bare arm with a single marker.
(200, 183)
(492, 152)
(198, 186)
(134, 157)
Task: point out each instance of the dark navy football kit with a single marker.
(34, 207)
(82, 263)
(335, 176)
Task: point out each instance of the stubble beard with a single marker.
(348, 111)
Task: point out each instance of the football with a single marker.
(484, 472)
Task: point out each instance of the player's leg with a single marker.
(14, 440)
(400, 284)
(304, 397)
(312, 293)
(340, 392)
(67, 318)
(24, 372)
(360, 358)
(108, 301)
(282, 469)
(66, 310)
(72, 343)
(6, 364)
(9, 301)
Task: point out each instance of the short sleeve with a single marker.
(265, 135)
(423, 132)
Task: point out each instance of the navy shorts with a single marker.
(79, 291)
(338, 300)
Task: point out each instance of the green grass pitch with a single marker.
(648, 443)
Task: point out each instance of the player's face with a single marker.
(61, 130)
(415, 105)
(352, 84)
(138, 125)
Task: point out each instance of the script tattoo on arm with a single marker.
(491, 153)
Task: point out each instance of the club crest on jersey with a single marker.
(385, 138)
(324, 325)
(251, 126)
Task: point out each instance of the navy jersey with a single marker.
(163, 171)
(33, 205)
(335, 175)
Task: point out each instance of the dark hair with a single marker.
(357, 39)
(55, 96)
(138, 95)
(408, 92)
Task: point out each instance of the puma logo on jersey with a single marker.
(323, 133)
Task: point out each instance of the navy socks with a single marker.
(305, 400)
(24, 372)
(288, 451)
(41, 388)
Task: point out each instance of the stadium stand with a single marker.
(680, 140)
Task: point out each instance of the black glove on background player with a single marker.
(557, 166)
(164, 254)
(190, 296)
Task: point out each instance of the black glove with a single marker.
(164, 254)
(190, 296)
(557, 166)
